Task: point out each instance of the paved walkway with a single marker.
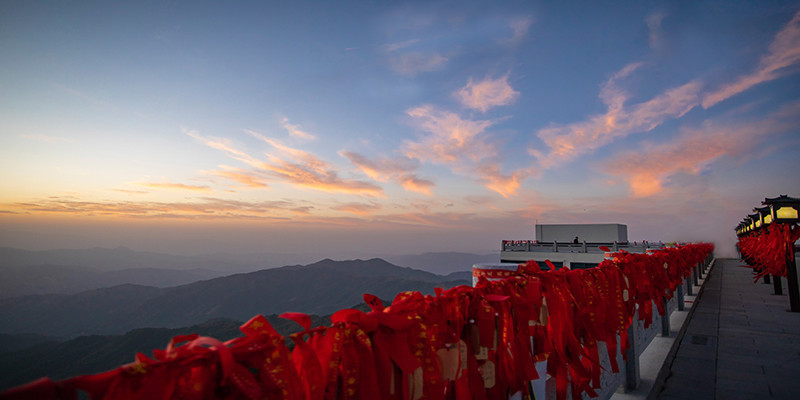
(740, 342)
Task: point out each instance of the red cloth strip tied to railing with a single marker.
(768, 249)
(464, 343)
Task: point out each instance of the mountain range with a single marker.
(26, 272)
(320, 288)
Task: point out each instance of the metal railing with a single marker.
(583, 247)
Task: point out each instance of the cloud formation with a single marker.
(174, 186)
(486, 94)
(295, 130)
(294, 166)
(398, 169)
(203, 208)
(647, 169)
(519, 26)
(461, 145)
(451, 138)
(361, 209)
(653, 22)
(783, 53)
(412, 63)
(250, 179)
(569, 141)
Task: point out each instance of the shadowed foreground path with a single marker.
(740, 342)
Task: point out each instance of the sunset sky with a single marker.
(358, 128)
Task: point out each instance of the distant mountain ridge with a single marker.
(443, 263)
(61, 279)
(320, 288)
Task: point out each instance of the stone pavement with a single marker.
(740, 342)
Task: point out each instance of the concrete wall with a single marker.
(584, 232)
(566, 258)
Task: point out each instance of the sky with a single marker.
(361, 128)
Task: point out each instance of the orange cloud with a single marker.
(486, 94)
(174, 186)
(358, 208)
(396, 169)
(205, 208)
(783, 52)
(131, 191)
(646, 170)
(246, 178)
(225, 146)
(295, 167)
(460, 144)
(494, 179)
(451, 137)
(412, 183)
(570, 141)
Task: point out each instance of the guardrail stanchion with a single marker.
(632, 372)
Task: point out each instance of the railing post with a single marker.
(681, 306)
(776, 285)
(584, 246)
(689, 286)
(632, 373)
(665, 319)
(694, 277)
(555, 246)
(791, 285)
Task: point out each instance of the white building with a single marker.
(571, 245)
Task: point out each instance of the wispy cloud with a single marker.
(127, 191)
(653, 22)
(783, 53)
(398, 169)
(450, 138)
(174, 186)
(569, 141)
(494, 179)
(225, 146)
(294, 166)
(519, 28)
(295, 130)
(647, 169)
(45, 138)
(203, 208)
(485, 94)
(362, 209)
(393, 47)
(407, 58)
(461, 145)
(412, 63)
(250, 179)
